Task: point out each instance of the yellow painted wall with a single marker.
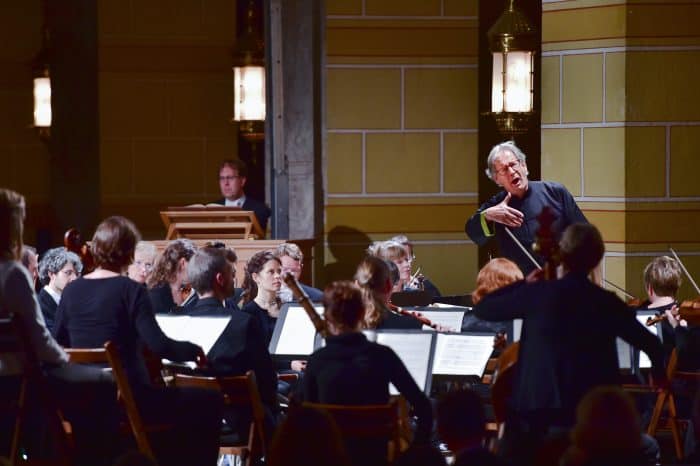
(620, 125)
(165, 101)
(402, 133)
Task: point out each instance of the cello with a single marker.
(73, 241)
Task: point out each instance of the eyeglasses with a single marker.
(147, 266)
(508, 167)
(229, 178)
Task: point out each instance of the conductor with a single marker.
(517, 206)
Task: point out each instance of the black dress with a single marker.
(117, 309)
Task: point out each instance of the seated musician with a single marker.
(168, 285)
(144, 259)
(350, 370)
(567, 345)
(30, 261)
(80, 391)
(241, 346)
(233, 175)
(292, 260)
(419, 281)
(396, 253)
(662, 280)
(374, 279)
(105, 305)
(263, 281)
(57, 268)
(496, 274)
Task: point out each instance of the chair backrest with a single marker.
(87, 355)
(14, 339)
(239, 391)
(127, 396)
(367, 422)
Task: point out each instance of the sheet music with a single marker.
(298, 332)
(624, 354)
(644, 361)
(414, 351)
(202, 331)
(517, 329)
(450, 319)
(450, 306)
(462, 354)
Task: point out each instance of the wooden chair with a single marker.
(239, 392)
(368, 422)
(14, 339)
(139, 429)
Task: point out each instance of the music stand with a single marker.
(211, 222)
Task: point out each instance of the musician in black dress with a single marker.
(350, 370)
(105, 305)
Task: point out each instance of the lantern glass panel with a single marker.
(42, 102)
(512, 82)
(249, 93)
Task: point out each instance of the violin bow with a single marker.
(522, 248)
(687, 274)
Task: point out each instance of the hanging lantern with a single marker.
(512, 45)
(249, 79)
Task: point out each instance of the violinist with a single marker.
(373, 276)
(662, 280)
(418, 280)
(514, 209)
(168, 285)
(567, 344)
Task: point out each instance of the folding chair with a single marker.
(239, 392)
(364, 422)
(15, 340)
(139, 429)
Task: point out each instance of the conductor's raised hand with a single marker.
(503, 213)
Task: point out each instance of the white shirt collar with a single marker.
(56, 296)
(237, 203)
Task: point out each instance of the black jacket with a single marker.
(567, 344)
(262, 211)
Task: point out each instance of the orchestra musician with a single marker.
(57, 268)
(662, 280)
(292, 260)
(30, 260)
(263, 281)
(350, 370)
(567, 345)
(144, 259)
(374, 279)
(105, 305)
(242, 345)
(79, 391)
(517, 206)
(168, 284)
(419, 280)
(233, 174)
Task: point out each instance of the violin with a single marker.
(185, 290)
(688, 311)
(73, 241)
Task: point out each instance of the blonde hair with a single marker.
(372, 276)
(12, 211)
(496, 274)
(291, 250)
(388, 250)
(663, 274)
